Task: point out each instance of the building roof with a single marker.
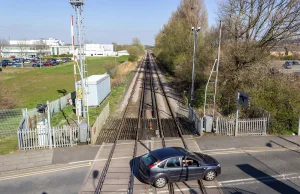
(95, 79)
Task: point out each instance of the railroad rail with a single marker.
(105, 169)
(135, 127)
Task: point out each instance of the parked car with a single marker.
(48, 63)
(288, 64)
(54, 63)
(59, 60)
(296, 63)
(4, 63)
(37, 65)
(16, 65)
(27, 61)
(175, 164)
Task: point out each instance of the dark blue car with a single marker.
(175, 164)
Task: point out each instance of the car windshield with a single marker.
(148, 159)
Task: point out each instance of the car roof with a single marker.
(168, 152)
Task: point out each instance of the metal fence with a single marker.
(44, 138)
(198, 121)
(55, 106)
(9, 122)
(249, 126)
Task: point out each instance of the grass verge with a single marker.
(27, 87)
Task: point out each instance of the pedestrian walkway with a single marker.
(218, 142)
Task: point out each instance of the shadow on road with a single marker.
(270, 145)
(233, 190)
(269, 181)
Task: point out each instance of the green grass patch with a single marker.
(29, 87)
(8, 145)
(66, 114)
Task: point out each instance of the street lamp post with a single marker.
(195, 31)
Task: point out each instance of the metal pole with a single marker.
(81, 62)
(217, 68)
(195, 31)
(49, 125)
(237, 115)
(299, 128)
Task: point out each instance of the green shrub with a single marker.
(132, 58)
(286, 57)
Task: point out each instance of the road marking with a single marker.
(44, 171)
(99, 160)
(257, 180)
(218, 150)
(244, 151)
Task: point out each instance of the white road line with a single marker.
(218, 150)
(39, 172)
(284, 176)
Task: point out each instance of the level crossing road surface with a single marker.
(118, 175)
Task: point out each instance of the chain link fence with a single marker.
(10, 121)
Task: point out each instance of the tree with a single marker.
(250, 29)
(22, 48)
(3, 43)
(136, 41)
(42, 47)
(174, 43)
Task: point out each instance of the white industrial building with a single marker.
(122, 53)
(99, 50)
(30, 48)
(48, 42)
(44, 47)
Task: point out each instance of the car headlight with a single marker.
(219, 165)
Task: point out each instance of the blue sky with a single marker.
(105, 21)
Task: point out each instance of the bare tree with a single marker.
(22, 48)
(264, 21)
(136, 41)
(250, 29)
(41, 46)
(3, 43)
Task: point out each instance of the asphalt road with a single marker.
(262, 170)
(61, 180)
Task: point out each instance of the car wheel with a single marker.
(210, 175)
(160, 182)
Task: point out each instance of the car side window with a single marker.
(190, 162)
(173, 163)
(162, 164)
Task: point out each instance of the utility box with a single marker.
(42, 133)
(83, 132)
(208, 121)
(99, 88)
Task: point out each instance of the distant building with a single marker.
(45, 47)
(99, 50)
(31, 48)
(289, 50)
(122, 53)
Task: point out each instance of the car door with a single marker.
(174, 169)
(193, 170)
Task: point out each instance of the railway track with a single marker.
(114, 176)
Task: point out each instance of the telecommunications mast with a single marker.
(80, 62)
